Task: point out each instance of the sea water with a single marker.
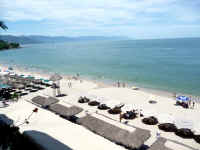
(166, 64)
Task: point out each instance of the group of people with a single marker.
(191, 104)
(119, 84)
(75, 77)
(69, 84)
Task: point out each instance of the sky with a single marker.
(139, 19)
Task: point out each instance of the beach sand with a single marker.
(78, 137)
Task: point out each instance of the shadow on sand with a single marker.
(40, 140)
(44, 141)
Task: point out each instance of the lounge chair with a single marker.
(66, 112)
(160, 144)
(44, 102)
(132, 140)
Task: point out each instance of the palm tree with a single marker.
(3, 26)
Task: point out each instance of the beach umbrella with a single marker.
(182, 98)
(55, 77)
(184, 123)
(165, 118)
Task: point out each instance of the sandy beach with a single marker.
(77, 137)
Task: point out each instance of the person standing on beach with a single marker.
(193, 103)
(70, 84)
(120, 116)
(118, 84)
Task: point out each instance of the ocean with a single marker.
(163, 64)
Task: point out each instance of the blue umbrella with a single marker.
(182, 98)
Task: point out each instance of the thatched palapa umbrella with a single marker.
(54, 78)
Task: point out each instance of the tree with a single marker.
(3, 26)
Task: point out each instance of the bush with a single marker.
(103, 107)
(167, 127)
(11, 138)
(93, 103)
(6, 45)
(185, 133)
(197, 138)
(150, 121)
(114, 111)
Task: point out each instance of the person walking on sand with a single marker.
(118, 84)
(70, 84)
(157, 134)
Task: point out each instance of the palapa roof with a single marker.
(43, 101)
(159, 144)
(55, 77)
(132, 140)
(65, 111)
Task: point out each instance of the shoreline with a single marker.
(45, 121)
(100, 83)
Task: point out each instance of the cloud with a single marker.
(101, 15)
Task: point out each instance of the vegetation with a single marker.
(4, 44)
(12, 139)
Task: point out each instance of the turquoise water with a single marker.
(170, 64)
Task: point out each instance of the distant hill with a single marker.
(32, 39)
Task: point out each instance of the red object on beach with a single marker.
(35, 110)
